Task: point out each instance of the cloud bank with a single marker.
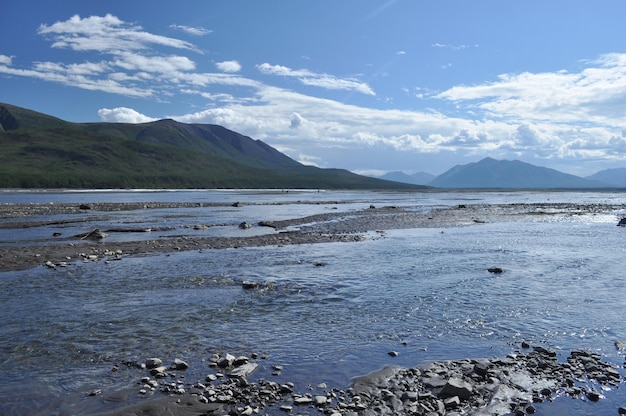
(549, 116)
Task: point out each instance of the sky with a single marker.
(368, 86)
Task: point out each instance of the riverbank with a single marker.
(328, 227)
(516, 384)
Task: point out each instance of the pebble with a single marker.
(452, 387)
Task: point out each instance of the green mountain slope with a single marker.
(40, 151)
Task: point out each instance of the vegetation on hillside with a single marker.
(40, 151)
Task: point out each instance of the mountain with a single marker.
(505, 174)
(419, 178)
(41, 151)
(614, 177)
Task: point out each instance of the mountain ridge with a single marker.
(42, 151)
(490, 173)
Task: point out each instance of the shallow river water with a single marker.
(330, 312)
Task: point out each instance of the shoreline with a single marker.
(320, 228)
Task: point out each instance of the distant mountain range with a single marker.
(419, 178)
(41, 151)
(505, 174)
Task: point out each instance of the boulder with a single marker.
(153, 362)
(245, 225)
(457, 387)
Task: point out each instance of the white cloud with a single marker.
(6, 60)
(318, 80)
(107, 34)
(296, 121)
(453, 47)
(196, 31)
(123, 115)
(594, 95)
(228, 66)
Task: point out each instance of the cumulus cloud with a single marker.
(296, 121)
(6, 60)
(123, 115)
(596, 94)
(228, 66)
(107, 34)
(136, 63)
(315, 79)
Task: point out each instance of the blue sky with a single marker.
(369, 86)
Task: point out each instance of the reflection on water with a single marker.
(425, 293)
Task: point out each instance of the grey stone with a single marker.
(457, 387)
(153, 362)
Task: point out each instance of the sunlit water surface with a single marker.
(425, 293)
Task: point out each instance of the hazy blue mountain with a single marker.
(419, 178)
(615, 177)
(505, 174)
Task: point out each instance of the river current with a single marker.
(329, 311)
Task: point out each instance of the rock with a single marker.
(95, 234)
(593, 396)
(237, 205)
(246, 284)
(84, 207)
(495, 270)
(622, 223)
(243, 370)
(452, 402)
(245, 225)
(620, 345)
(241, 360)
(267, 224)
(320, 400)
(393, 353)
(226, 361)
(179, 364)
(159, 371)
(457, 387)
(302, 401)
(153, 362)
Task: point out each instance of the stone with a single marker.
(457, 387)
(244, 370)
(302, 401)
(226, 361)
(452, 402)
(242, 359)
(153, 362)
(179, 364)
(393, 353)
(320, 400)
(245, 225)
(246, 284)
(622, 223)
(496, 270)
